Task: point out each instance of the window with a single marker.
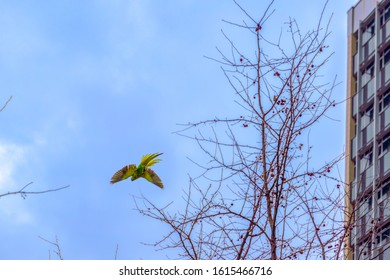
(383, 239)
(367, 127)
(354, 105)
(385, 57)
(384, 192)
(384, 155)
(367, 75)
(367, 117)
(383, 202)
(366, 171)
(365, 206)
(385, 14)
(386, 188)
(384, 101)
(368, 41)
(384, 110)
(355, 63)
(385, 163)
(353, 147)
(368, 83)
(366, 161)
(364, 250)
(353, 190)
(384, 65)
(384, 23)
(369, 32)
(385, 255)
(384, 145)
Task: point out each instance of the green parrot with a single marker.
(142, 170)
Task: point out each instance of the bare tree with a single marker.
(56, 245)
(268, 197)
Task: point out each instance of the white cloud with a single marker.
(11, 156)
(12, 159)
(22, 163)
(14, 211)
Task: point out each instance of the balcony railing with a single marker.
(371, 88)
(354, 104)
(384, 75)
(369, 48)
(387, 73)
(386, 163)
(366, 135)
(384, 32)
(384, 119)
(387, 28)
(354, 190)
(369, 176)
(370, 132)
(355, 63)
(384, 209)
(368, 90)
(353, 147)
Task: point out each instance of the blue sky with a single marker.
(97, 84)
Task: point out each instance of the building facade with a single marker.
(368, 130)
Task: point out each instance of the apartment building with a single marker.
(368, 130)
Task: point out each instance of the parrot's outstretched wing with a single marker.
(152, 177)
(150, 159)
(123, 173)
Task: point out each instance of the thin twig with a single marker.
(24, 193)
(5, 104)
(57, 246)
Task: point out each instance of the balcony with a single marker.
(364, 218)
(355, 63)
(369, 132)
(384, 119)
(369, 48)
(353, 147)
(371, 88)
(382, 243)
(384, 75)
(384, 252)
(366, 135)
(354, 190)
(384, 163)
(368, 89)
(384, 32)
(369, 176)
(387, 29)
(354, 104)
(383, 210)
